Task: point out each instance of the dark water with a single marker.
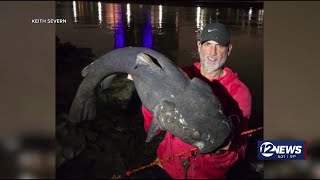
(170, 29)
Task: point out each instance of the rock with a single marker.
(119, 93)
(91, 136)
(107, 166)
(68, 53)
(59, 159)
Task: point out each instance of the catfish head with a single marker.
(195, 116)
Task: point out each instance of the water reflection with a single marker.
(99, 13)
(177, 20)
(198, 17)
(160, 16)
(128, 13)
(150, 19)
(260, 18)
(74, 11)
(118, 27)
(147, 29)
(199, 20)
(217, 14)
(250, 14)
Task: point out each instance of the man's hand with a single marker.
(129, 77)
(224, 148)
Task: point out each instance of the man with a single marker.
(214, 46)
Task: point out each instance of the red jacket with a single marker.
(236, 100)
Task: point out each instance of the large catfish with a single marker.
(186, 108)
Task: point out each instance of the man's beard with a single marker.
(209, 67)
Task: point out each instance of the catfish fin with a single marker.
(153, 130)
(82, 108)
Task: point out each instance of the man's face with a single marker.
(213, 55)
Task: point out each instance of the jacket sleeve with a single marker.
(245, 103)
(238, 145)
(243, 98)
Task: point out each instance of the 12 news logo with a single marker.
(282, 150)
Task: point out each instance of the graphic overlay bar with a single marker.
(282, 150)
